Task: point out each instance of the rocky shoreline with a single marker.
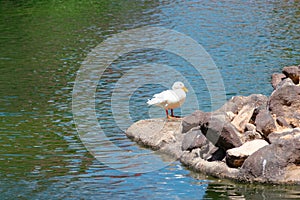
(250, 139)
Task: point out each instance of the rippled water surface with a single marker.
(43, 44)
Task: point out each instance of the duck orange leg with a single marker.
(170, 116)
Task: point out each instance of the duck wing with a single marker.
(161, 98)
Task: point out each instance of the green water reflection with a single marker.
(42, 45)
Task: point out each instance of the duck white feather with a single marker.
(170, 99)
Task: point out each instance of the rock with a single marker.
(263, 166)
(257, 101)
(282, 122)
(235, 104)
(256, 111)
(235, 157)
(218, 155)
(194, 120)
(273, 163)
(275, 137)
(208, 152)
(158, 134)
(293, 72)
(243, 117)
(203, 139)
(165, 136)
(276, 79)
(221, 132)
(251, 135)
(230, 115)
(231, 106)
(216, 168)
(285, 82)
(250, 127)
(265, 123)
(193, 139)
(285, 102)
(295, 122)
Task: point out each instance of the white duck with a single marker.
(170, 99)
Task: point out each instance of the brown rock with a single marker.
(265, 123)
(251, 135)
(250, 127)
(285, 102)
(272, 163)
(232, 106)
(221, 132)
(193, 139)
(276, 79)
(217, 155)
(295, 121)
(194, 120)
(243, 117)
(275, 137)
(236, 103)
(285, 82)
(235, 157)
(282, 122)
(293, 72)
(196, 142)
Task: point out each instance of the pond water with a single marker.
(44, 43)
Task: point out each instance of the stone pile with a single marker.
(254, 138)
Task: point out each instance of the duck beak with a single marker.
(185, 89)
